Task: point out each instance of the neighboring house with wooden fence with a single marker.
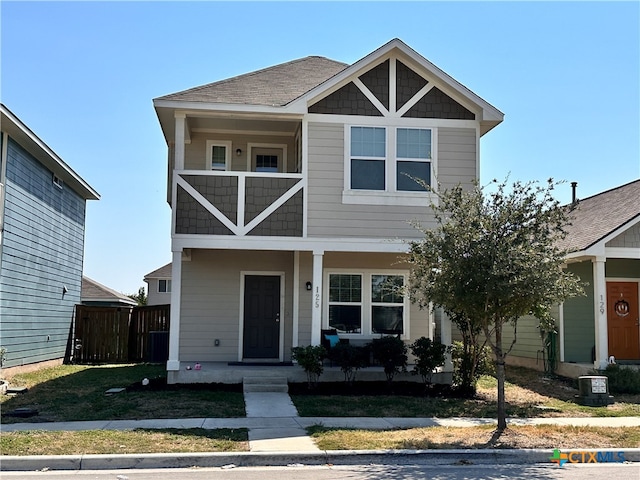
(42, 228)
(292, 190)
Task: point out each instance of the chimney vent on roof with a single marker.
(574, 199)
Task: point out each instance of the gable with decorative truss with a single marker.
(392, 88)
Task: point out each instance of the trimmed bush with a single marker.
(350, 359)
(622, 379)
(429, 356)
(310, 359)
(391, 353)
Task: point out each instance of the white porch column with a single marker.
(181, 120)
(316, 302)
(600, 313)
(445, 339)
(174, 330)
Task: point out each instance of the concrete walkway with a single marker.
(277, 436)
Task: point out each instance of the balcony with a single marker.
(232, 203)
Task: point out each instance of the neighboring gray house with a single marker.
(159, 286)
(42, 226)
(97, 295)
(292, 190)
(604, 244)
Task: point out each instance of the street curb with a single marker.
(254, 459)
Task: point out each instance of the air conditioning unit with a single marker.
(594, 391)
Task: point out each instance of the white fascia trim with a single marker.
(231, 242)
(623, 252)
(217, 109)
(391, 121)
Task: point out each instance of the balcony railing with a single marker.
(239, 203)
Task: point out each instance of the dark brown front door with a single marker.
(261, 316)
(622, 320)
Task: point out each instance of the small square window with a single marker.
(164, 286)
(57, 181)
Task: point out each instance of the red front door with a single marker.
(623, 321)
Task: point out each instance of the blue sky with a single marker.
(82, 75)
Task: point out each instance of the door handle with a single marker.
(277, 317)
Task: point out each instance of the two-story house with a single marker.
(42, 226)
(293, 189)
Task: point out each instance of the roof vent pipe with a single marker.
(574, 199)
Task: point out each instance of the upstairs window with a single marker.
(218, 155)
(384, 165)
(164, 286)
(413, 154)
(368, 158)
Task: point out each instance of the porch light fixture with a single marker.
(309, 286)
(238, 152)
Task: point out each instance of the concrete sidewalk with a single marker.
(277, 436)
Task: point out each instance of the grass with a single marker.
(74, 392)
(528, 392)
(543, 436)
(69, 392)
(121, 442)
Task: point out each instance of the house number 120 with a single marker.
(317, 301)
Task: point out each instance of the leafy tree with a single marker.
(140, 297)
(492, 258)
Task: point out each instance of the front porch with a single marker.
(222, 372)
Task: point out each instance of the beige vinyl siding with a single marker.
(628, 239)
(211, 301)
(456, 156)
(305, 299)
(195, 152)
(329, 217)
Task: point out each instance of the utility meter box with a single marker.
(594, 391)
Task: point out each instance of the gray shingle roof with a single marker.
(598, 216)
(273, 86)
(94, 291)
(162, 272)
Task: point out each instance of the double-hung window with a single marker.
(368, 158)
(388, 161)
(413, 159)
(218, 155)
(345, 302)
(164, 286)
(367, 303)
(387, 304)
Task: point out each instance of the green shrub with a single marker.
(310, 359)
(391, 353)
(429, 356)
(350, 359)
(622, 379)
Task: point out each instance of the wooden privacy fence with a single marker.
(121, 334)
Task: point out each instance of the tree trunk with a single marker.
(500, 376)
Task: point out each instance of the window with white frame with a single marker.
(413, 159)
(367, 303)
(164, 286)
(389, 159)
(218, 155)
(345, 302)
(368, 158)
